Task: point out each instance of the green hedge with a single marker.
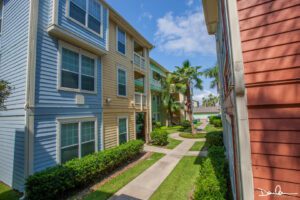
(185, 125)
(159, 137)
(55, 182)
(214, 138)
(212, 182)
(216, 121)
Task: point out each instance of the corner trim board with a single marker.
(30, 88)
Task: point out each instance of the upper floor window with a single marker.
(77, 139)
(156, 76)
(78, 70)
(87, 13)
(1, 15)
(121, 41)
(122, 82)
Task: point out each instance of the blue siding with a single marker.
(80, 31)
(13, 64)
(52, 103)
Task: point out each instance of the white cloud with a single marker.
(184, 34)
(146, 15)
(204, 93)
(190, 2)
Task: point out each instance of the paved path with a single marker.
(143, 186)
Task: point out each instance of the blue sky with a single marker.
(176, 28)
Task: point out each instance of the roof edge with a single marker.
(159, 65)
(114, 15)
(210, 8)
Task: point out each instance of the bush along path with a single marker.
(147, 183)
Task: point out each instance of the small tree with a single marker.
(5, 91)
(187, 77)
(168, 99)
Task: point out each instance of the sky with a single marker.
(177, 30)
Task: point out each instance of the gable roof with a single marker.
(201, 109)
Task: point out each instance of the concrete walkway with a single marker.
(143, 186)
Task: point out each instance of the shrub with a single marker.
(159, 137)
(157, 125)
(216, 121)
(54, 182)
(185, 125)
(214, 139)
(212, 182)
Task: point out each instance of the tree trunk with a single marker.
(189, 107)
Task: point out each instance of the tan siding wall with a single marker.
(119, 106)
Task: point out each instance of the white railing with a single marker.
(139, 61)
(156, 83)
(140, 99)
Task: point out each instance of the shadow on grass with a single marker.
(9, 195)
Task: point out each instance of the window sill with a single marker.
(63, 89)
(121, 54)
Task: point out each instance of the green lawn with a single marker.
(172, 143)
(179, 184)
(113, 185)
(6, 193)
(198, 146)
(171, 129)
(211, 128)
(192, 136)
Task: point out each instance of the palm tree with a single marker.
(212, 73)
(187, 77)
(168, 99)
(211, 100)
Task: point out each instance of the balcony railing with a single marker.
(140, 99)
(139, 61)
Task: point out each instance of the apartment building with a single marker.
(157, 77)
(258, 47)
(73, 66)
(126, 91)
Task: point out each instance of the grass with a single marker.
(179, 184)
(172, 143)
(171, 129)
(211, 128)
(198, 146)
(6, 193)
(112, 186)
(192, 136)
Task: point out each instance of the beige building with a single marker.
(126, 91)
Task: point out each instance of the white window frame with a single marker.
(117, 41)
(127, 128)
(126, 81)
(80, 52)
(86, 17)
(78, 120)
(1, 17)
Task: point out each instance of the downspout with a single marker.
(240, 105)
(30, 90)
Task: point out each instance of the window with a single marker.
(77, 139)
(122, 89)
(121, 41)
(156, 76)
(1, 15)
(87, 13)
(78, 71)
(123, 130)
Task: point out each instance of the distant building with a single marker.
(203, 113)
(196, 104)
